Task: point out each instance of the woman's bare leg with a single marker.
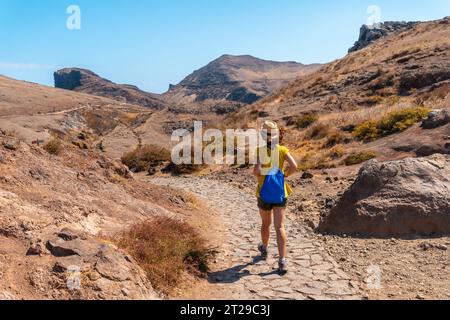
(266, 217)
(279, 216)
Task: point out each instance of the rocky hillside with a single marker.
(235, 80)
(362, 104)
(369, 34)
(63, 198)
(37, 112)
(81, 80)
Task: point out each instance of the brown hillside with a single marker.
(402, 71)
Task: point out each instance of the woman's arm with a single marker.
(292, 165)
(257, 169)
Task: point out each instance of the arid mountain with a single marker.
(231, 80)
(86, 81)
(63, 197)
(36, 112)
(404, 70)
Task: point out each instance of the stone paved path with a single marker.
(313, 274)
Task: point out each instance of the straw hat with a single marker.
(270, 130)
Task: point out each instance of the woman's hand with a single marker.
(257, 171)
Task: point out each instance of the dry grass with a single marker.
(318, 131)
(360, 157)
(305, 121)
(355, 117)
(393, 122)
(145, 157)
(165, 248)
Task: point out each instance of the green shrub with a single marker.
(398, 121)
(306, 120)
(360, 157)
(54, 146)
(393, 122)
(145, 157)
(367, 131)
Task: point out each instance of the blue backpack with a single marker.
(273, 189)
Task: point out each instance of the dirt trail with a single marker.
(239, 274)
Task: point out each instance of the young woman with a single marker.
(274, 137)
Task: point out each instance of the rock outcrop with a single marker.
(111, 274)
(86, 81)
(369, 34)
(399, 198)
(436, 119)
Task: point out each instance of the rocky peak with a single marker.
(369, 34)
(240, 79)
(86, 81)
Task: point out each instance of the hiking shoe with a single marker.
(282, 267)
(263, 251)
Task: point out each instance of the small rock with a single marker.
(330, 203)
(441, 247)
(307, 175)
(67, 234)
(36, 249)
(310, 224)
(10, 145)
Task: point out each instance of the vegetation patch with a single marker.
(318, 131)
(393, 122)
(306, 120)
(54, 147)
(359, 157)
(145, 157)
(165, 249)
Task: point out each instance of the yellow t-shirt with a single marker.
(282, 152)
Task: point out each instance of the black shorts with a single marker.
(269, 206)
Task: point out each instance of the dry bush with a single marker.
(337, 137)
(336, 152)
(101, 121)
(313, 160)
(184, 169)
(165, 249)
(373, 100)
(318, 131)
(306, 120)
(145, 157)
(54, 146)
(359, 157)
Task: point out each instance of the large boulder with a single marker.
(436, 119)
(105, 272)
(400, 198)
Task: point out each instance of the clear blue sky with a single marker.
(151, 43)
